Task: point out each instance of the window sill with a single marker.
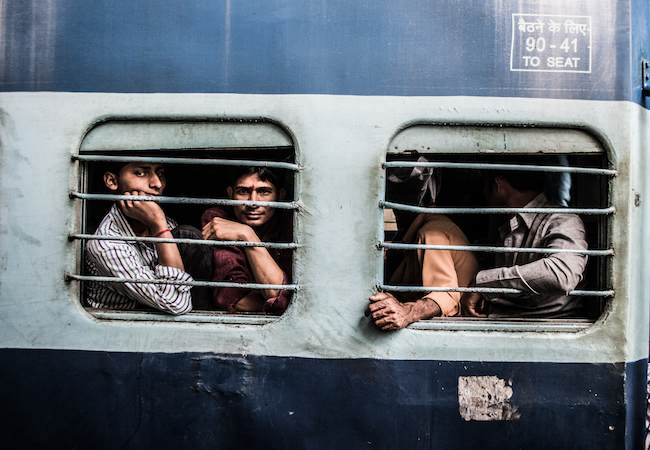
(504, 325)
(221, 317)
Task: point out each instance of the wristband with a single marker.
(161, 232)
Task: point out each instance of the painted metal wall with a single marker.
(447, 47)
(342, 78)
(131, 400)
(340, 142)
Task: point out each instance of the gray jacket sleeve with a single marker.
(553, 273)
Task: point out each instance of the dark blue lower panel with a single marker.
(77, 399)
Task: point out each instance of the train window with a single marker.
(443, 171)
(200, 160)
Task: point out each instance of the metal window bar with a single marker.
(512, 167)
(188, 161)
(388, 287)
(295, 205)
(278, 245)
(493, 249)
(183, 200)
(195, 316)
(485, 166)
(562, 210)
(286, 287)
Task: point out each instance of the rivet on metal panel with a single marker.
(645, 72)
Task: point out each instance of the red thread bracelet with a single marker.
(161, 232)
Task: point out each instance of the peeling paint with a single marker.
(485, 398)
(222, 375)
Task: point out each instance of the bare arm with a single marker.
(252, 302)
(151, 215)
(391, 314)
(265, 269)
(473, 304)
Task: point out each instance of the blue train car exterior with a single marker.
(343, 82)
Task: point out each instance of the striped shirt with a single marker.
(139, 260)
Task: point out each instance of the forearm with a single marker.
(151, 216)
(391, 314)
(422, 309)
(448, 302)
(252, 302)
(552, 275)
(171, 298)
(538, 275)
(168, 254)
(119, 262)
(265, 269)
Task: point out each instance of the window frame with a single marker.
(94, 149)
(484, 141)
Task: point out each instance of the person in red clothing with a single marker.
(251, 264)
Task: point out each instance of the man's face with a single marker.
(139, 176)
(251, 188)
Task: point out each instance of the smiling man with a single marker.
(159, 261)
(251, 224)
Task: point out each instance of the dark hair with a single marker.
(112, 167)
(115, 167)
(263, 173)
(521, 180)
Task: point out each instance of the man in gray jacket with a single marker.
(544, 279)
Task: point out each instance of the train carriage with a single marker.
(333, 94)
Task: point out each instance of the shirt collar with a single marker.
(120, 220)
(538, 202)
